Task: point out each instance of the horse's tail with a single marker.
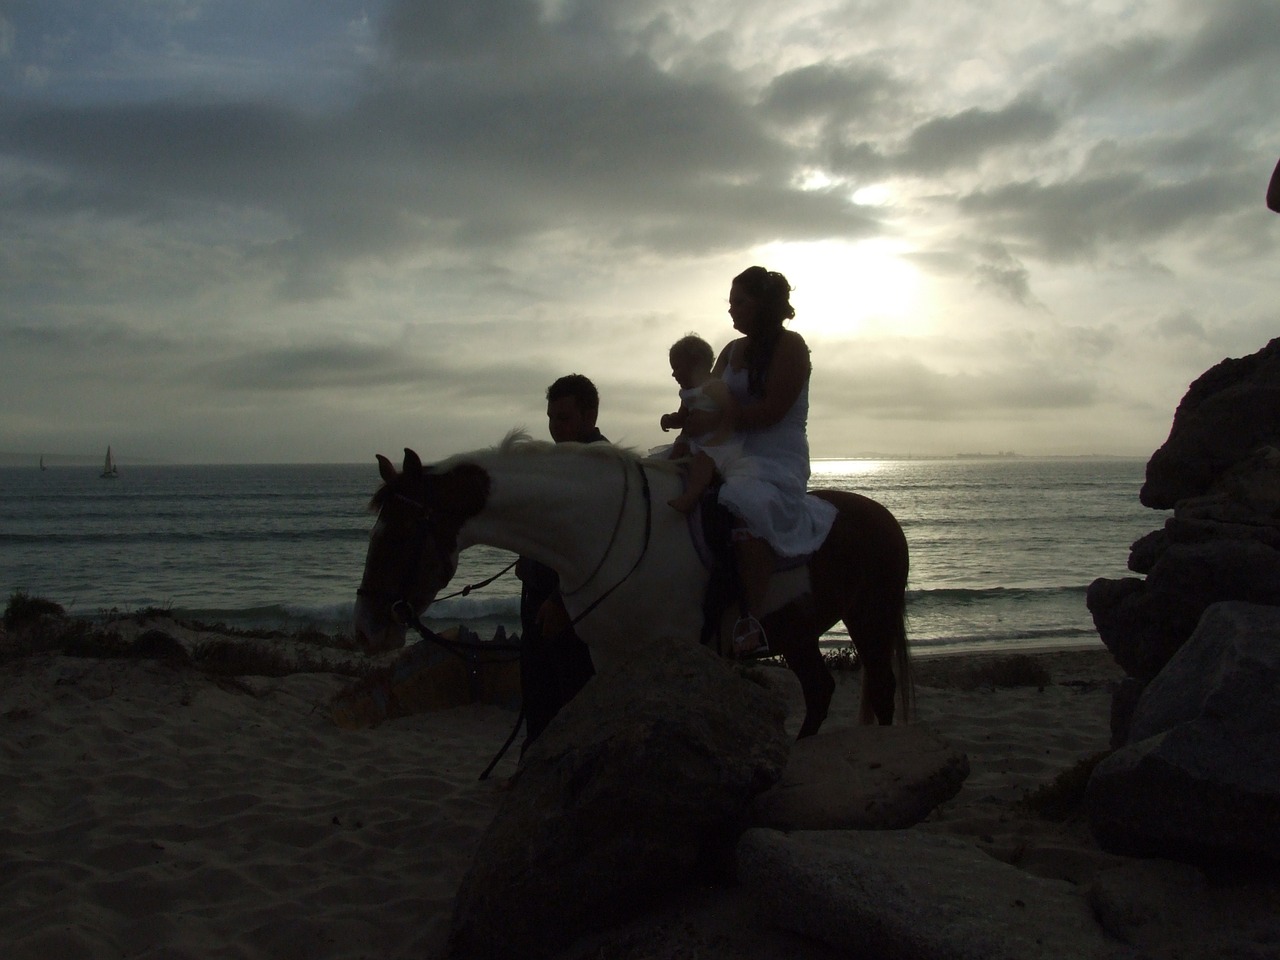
(902, 666)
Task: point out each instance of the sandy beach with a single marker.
(150, 810)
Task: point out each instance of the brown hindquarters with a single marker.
(860, 577)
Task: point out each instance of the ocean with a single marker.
(1002, 549)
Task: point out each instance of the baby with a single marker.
(691, 361)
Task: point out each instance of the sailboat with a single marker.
(42, 466)
(109, 468)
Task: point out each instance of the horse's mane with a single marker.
(518, 443)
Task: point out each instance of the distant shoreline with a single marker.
(32, 460)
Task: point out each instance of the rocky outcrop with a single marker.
(863, 778)
(636, 790)
(1197, 775)
(1200, 777)
(1220, 473)
(1228, 412)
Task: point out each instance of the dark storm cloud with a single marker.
(1236, 34)
(1231, 38)
(313, 367)
(958, 141)
(556, 136)
(444, 30)
(1000, 270)
(1074, 218)
(944, 144)
(352, 212)
(829, 91)
(346, 366)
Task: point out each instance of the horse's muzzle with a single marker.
(375, 630)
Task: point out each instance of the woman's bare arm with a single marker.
(787, 375)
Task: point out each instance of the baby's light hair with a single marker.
(693, 347)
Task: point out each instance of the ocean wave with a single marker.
(475, 608)
(965, 595)
(170, 536)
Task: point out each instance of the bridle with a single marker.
(429, 534)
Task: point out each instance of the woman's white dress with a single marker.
(767, 486)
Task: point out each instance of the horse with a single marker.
(630, 571)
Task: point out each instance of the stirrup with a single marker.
(743, 630)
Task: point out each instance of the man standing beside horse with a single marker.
(554, 662)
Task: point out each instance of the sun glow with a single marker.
(844, 289)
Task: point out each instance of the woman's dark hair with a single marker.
(772, 293)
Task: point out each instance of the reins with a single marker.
(477, 586)
(467, 649)
(644, 546)
(613, 537)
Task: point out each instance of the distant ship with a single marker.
(109, 469)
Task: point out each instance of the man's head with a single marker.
(572, 406)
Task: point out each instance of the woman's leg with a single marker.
(755, 560)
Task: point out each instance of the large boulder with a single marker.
(863, 778)
(1200, 777)
(1226, 414)
(635, 791)
(1144, 623)
(909, 895)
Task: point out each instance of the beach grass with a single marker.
(35, 625)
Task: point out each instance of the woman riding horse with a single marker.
(767, 372)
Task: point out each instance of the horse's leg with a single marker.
(797, 641)
(876, 634)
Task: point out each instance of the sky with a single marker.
(316, 230)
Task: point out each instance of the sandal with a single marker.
(749, 640)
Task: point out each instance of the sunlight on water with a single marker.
(845, 468)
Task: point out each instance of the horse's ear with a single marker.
(386, 469)
(412, 464)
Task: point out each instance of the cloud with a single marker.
(829, 92)
(1076, 217)
(896, 387)
(946, 143)
(425, 210)
(1001, 271)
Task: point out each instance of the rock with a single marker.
(634, 792)
(1227, 413)
(1231, 666)
(910, 895)
(1200, 778)
(863, 778)
(1144, 623)
(1168, 909)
